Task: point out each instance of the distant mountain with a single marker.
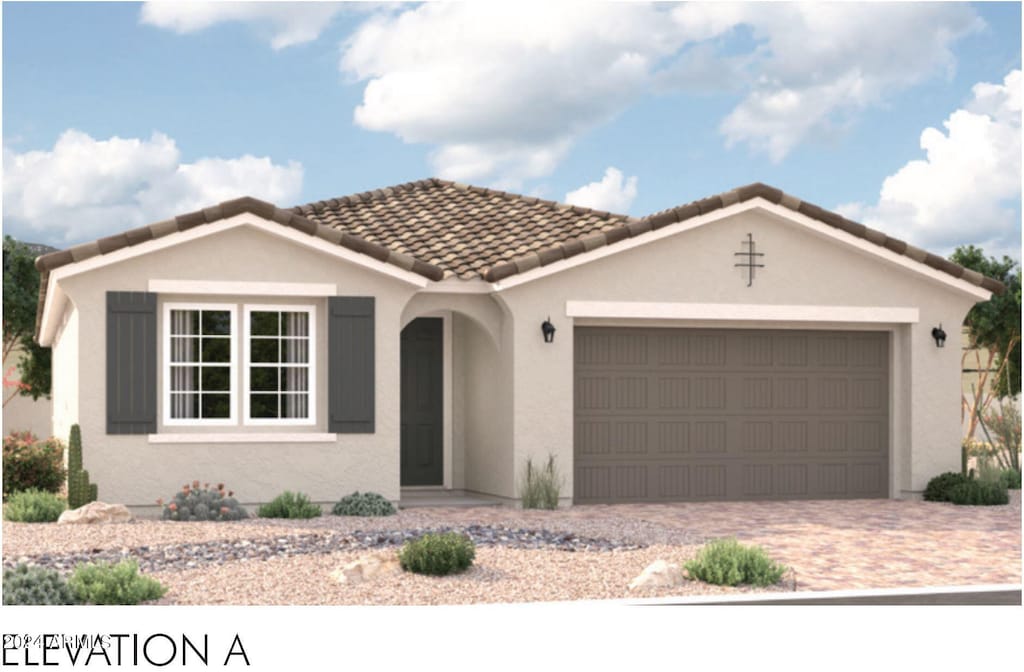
(38, 249)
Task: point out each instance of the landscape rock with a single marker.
(221, 551)
(658, 574)
(95, 512)
(368, 567)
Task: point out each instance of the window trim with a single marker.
(232, 418)
(310, 310)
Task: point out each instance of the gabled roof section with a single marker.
(216, 213)
(54, 260)
(658, 220)
(462, 229)
(437, 229)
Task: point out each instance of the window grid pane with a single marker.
(279, 365)
(201, 338)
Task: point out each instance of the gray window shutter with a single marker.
(131, 363)
(350, 361)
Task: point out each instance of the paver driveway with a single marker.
(831, 545)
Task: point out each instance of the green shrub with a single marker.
(1005, 424)
(939, 488)
(539, 488)
(31, 463)
(103, 583)
(726, 562)
(193, 503)
(36, 585)
(989, 471)
(438, 554)
(33, 506)
(363, 504)
(979, 493)
(80, 490)
(289, 505)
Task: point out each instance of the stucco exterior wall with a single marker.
(132, 470)
(802, 267)
(488, 410)
(64, 366)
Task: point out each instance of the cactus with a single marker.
(363, 504)
(193, 503)
(80, 490)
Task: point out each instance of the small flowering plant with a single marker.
(194, 503)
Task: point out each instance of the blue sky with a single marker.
(115, 115)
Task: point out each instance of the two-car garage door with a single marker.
(724, 414)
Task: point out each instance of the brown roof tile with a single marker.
(430, 218)
(437, 229)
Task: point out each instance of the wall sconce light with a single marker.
(548, 330)
(939, 335)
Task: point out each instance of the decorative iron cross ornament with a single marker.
(750, 255)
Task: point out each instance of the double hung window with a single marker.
(279, 374)
(203, 382)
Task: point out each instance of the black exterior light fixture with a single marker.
(939, 335)
(548, 330)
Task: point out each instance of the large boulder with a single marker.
(658, 574)
(95, 512)
(367, 567)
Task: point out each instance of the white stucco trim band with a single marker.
(243, 288)
(739, 311)
(53, 310)
(244, 437)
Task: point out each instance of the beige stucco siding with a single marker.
(489, 411)
(65, 367)
(697, 266)
(132, 470)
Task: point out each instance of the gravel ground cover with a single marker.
(828, 545)
(499, 575)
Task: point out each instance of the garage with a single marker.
(666, 414)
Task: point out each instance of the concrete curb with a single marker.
(997, 594)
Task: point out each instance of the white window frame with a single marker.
(310, 310)
(232, 418)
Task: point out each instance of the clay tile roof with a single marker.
(619, 228)
(459, 227)
(437, 229)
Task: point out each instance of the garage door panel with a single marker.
(630, 393)
(667, 414)
(673, 481)
(631, 435)
(673, 393)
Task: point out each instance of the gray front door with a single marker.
(421, 361)
(718, 414)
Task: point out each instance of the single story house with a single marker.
(749, 345)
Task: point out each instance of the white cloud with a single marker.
(503, 91)
(614, 193)
(816, 64)
(288, 23)
(965, 188)
(83, 189)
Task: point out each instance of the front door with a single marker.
(421, 361)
